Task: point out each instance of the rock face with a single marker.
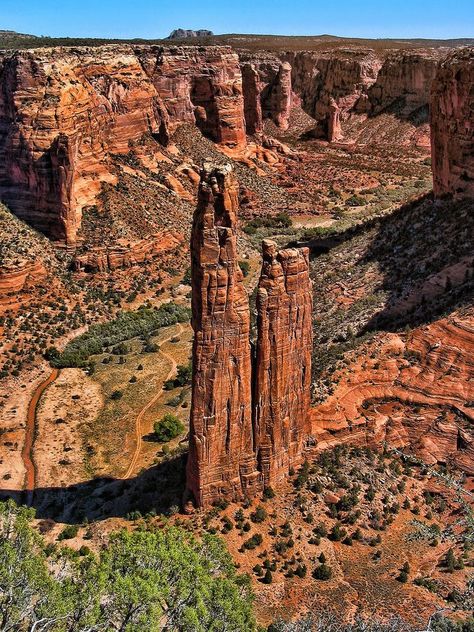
(221, 460)
(124, 255)
(189, 33)
(417, 405)
(452, 126)
(335, 85)
(283, 360)
(267, 91)
(247, 427)
(64, 111)
(24, 275)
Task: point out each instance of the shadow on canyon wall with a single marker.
(425, 253)
(158, 489)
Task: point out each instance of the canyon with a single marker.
(66, 113)
(234, 452)
(325, 382)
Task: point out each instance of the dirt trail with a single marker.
(153, 400)
(27, 451)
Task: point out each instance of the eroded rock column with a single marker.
(283, 361)
(221, 460)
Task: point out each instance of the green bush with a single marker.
(69, 532)
(130, 585)
(127, 325)
(322, 572)
(167, 428)
(245, 267)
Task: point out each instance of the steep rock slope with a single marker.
(452, 124)
(64, 112)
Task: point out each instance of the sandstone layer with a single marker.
(266, 82)
(126, 254)
(417, 394)
(283, 360)
(221, 460)
(65, 111)
(452, 126)
(336, 85)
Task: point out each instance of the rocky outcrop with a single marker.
(65, 111)
(283, 360)
(221, 460)
(332, 85)
(189, 33)
(335, 85)
(248, 427)
(404, 82)
(452, 126)
(267, 91)
(21, 276)
(415, 394)
(127, 254)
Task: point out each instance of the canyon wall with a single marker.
(221, 460)
(65, 111)
(336, 84)
(283, 360)
(248, 425)
(266, 82)
(452, 126)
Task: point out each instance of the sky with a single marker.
(156, 18)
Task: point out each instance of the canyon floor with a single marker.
(392, 367)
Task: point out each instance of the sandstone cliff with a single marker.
(267, 91)
(65, 111)
(335, 85)
(221, 460)
(452, 125)
(282, 379)
(125, 254)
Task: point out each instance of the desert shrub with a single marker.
(245, 267)
(322, 572)
(259, 515)
(69, 532)
(167, 428)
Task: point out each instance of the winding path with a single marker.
(27, 451)
(153, 400)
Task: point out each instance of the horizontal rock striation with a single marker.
(22, 276)
(127, 254)
(452, 126)
(418, 395)
(65, 111)
(282, 378)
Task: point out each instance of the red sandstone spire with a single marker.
(221, 459)
(283, 363)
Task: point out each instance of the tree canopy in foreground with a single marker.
(143, 581)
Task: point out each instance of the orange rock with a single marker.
(283, 360)
(64, 111)
(452, 126)
(221, 460)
